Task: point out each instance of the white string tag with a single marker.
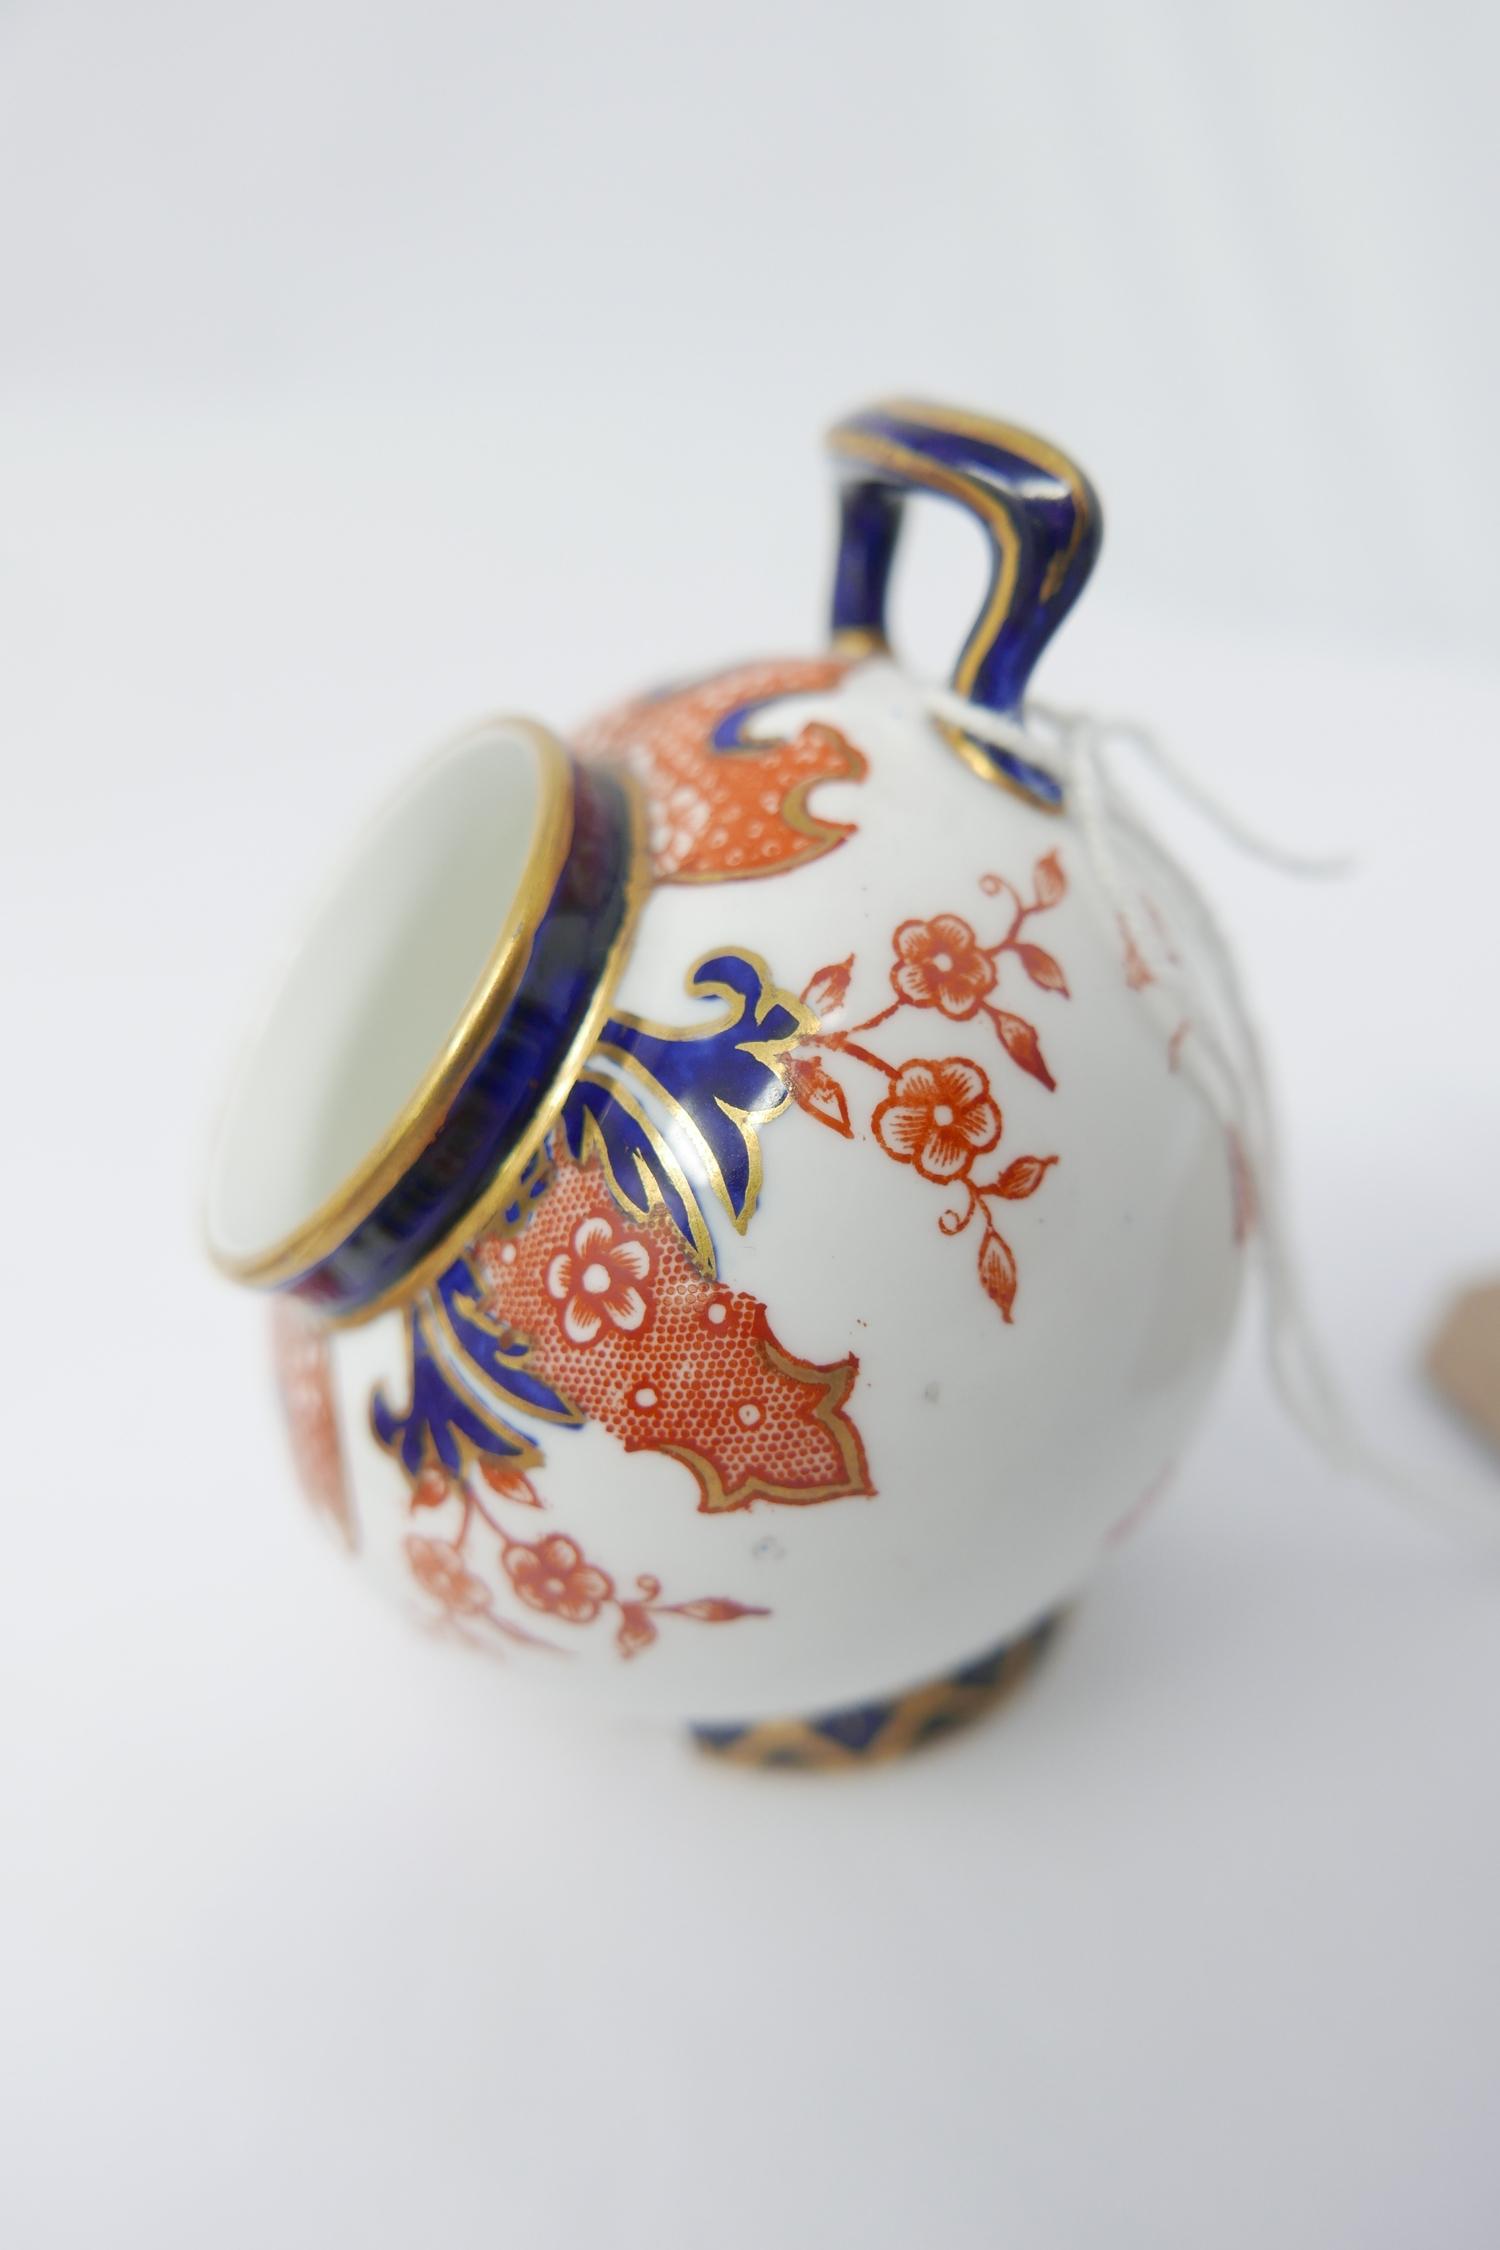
(1225, 1062)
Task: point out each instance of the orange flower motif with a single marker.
(439, 1570)
(939, 964)
(595, 1279)
(553, 1576)
(938, 1116)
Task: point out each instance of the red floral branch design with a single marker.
(550, 1575)
(1139, 975)
(942, 964)
(938, 1114)
(304, 1374)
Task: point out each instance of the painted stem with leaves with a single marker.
(938, 1114)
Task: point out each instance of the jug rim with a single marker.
(303, 1258)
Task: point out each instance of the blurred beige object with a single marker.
(1464, 1360)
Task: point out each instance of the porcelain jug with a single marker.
(742, 1246)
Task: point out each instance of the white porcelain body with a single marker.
(1004, 1455)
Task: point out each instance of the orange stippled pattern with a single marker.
(622, 1322)
(721, 814)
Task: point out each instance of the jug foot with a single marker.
(870, 1733)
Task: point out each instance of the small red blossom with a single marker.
(997, 1272)
(596, 1280)
(828, 988)
(939, 964)
(636, 1629)
(440, 1571)
(1137, 968)
(432, 1488)
(1022, 1177)
(818, 1092)
(1051, 883)
(510, 1484)
(938, 1116)
(1042, 969)
(552, 1575)
(1019, 1039)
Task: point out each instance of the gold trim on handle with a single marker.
(1026, 446)
(992, 511)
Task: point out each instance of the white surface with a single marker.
(1002, 1458)
(311, 1933)
(373, 991)
(1234, 258)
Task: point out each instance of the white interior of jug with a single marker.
(372, 999)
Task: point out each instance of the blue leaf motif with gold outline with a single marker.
(468, 1378)
(674, 1116)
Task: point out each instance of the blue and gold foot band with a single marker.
(869, 1733)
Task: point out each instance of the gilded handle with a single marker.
(1041, 518)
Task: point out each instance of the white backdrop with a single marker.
(362, 367)
(1240, 259)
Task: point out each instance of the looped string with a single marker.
(1224, 1058)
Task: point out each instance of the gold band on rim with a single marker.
(498, 1191)
(357, 1195)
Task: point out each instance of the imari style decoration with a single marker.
(743, 1240)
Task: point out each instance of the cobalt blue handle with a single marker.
(1040, 515)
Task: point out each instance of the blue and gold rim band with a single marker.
(459, 1149)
